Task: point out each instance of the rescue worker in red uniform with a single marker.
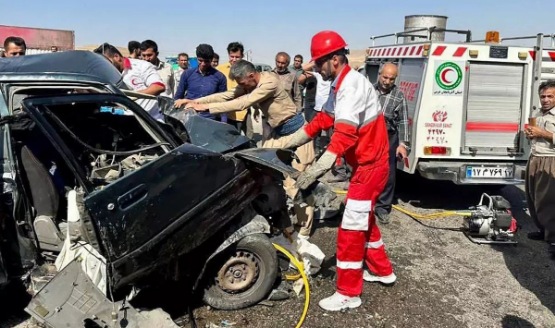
(360, 135)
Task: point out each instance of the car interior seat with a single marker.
(45, 199)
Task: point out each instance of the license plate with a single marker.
(494, 172)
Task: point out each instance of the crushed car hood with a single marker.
(209, 134)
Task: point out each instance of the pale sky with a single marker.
(267, 27)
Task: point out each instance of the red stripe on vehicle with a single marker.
(533, 54)
(406, 50)
(551, 55)
(419, 51)
(459, 52)
(412, 50)
(438, 51)
(491, 127)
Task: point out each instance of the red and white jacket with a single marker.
(138, 75)
(353, 110)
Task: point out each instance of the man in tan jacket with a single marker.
(288, 78)
(264, 91)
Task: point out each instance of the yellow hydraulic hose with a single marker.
(299, 267)
(293, 277)
(431, 216)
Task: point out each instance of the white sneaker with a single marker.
(386, 280)
(338, 302)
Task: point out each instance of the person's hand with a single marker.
(306, 179)
(198, 107)
(401, 152)
(534, 132)
(316, 170)
(181, 102)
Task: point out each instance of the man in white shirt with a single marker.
(313, 107)
(149, 52)
(138, 75)
(182, 66)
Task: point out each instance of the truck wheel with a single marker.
(246, 275)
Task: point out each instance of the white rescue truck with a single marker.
(468, 103)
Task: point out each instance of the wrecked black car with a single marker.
(117, 200)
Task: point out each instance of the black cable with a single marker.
(101, 151)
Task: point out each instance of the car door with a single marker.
(135, 215)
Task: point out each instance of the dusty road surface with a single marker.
(444, 280)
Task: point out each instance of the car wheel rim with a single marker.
(239, 273)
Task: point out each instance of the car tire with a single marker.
(253, 251)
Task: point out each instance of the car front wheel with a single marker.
(246, 276)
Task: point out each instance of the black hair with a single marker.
(299, 56)
(341, 54)
(15, 40)
(183, 54)
(205, 51)
(133, 45)
(149, 44)
(549, 84)
(216, 56)
(107, 50)
(235, 46)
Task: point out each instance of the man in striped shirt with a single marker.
(394, 106)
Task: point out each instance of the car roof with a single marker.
(79, 63)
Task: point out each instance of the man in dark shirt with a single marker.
(395, 111)
(201, 81)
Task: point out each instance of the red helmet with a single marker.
(324, 43)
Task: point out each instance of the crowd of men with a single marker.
(322, 109)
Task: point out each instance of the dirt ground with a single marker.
(444, 280)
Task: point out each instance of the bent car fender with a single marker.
(273, 158)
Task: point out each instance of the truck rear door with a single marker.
(494, 109)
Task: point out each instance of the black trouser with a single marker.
(383, 204)
(239, 125)
(309, 112)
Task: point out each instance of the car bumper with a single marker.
(456, 172)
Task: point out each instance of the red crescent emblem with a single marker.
(444, 75)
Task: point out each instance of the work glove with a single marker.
(310, 175)
(297, 139)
